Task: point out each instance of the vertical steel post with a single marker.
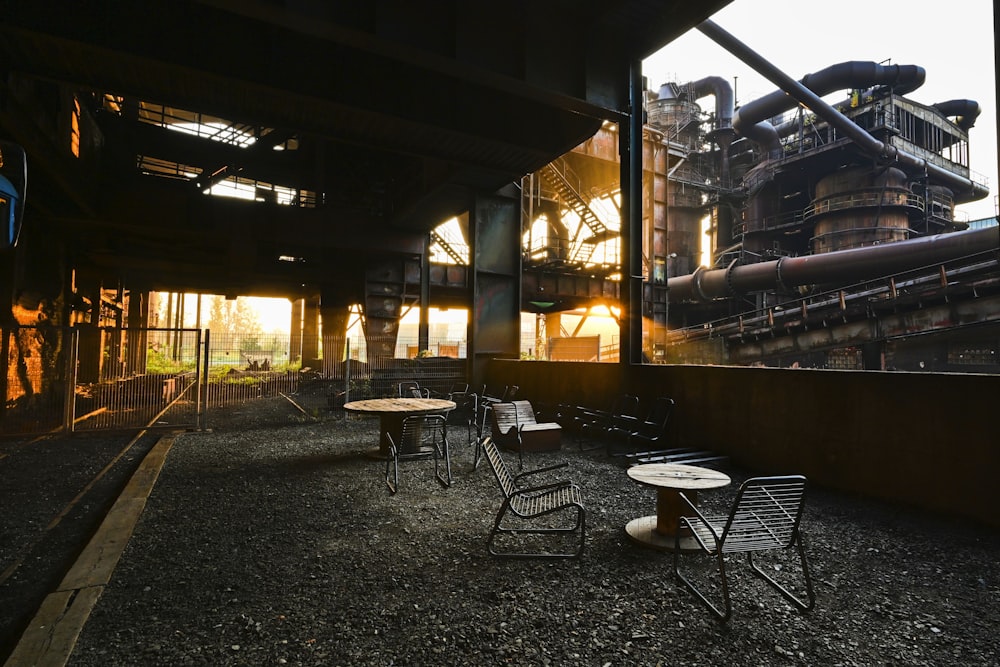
(201, 378)
(423, 328)
(70, 373)
(347, 371)
(630, 148)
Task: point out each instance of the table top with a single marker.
(410, 406)
(677, 476)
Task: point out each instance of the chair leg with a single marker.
(392, 481)
(446, 479)
(722, 615)
(579, 526)
(479, 452)
(810, 594)
(582, 436)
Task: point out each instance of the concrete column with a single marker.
(335, 319)
(310, 333)
(137, 319)
(90, 348)
(295, 331)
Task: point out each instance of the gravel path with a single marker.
(272, 540)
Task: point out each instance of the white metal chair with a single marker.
(766, 515)
(423, 437)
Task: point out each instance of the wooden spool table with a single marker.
(392, 411)
(658, 531)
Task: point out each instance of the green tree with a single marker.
(232, 316)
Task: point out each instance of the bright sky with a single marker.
(954, 44)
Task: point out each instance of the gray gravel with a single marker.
(272, 540)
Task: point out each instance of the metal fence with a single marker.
(145, 378)
(358, 377)
(88, 378)
(242, 367)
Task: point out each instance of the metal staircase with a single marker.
(447, 248)
(559, 177)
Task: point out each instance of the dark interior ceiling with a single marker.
(399, 112)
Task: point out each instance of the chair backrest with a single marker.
(523, 412)
(500, 470)
(420, 429)
(626, 405)
(409, 389)
(466, 409)
(458, 388)
(466, 404)
(659, 413)
(504, 418)
(766, 514)
(484, 415)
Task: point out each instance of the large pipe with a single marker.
(725, 105)
(966, 112)
(725, 101)
(837, 267)
(749, 119)
(886, 153)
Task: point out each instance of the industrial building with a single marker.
(822, 254)
(350, 132)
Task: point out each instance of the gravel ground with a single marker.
(54, 493)
(272, 540)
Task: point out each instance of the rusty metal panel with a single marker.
(603, 145)
(710, 351)
(496, 310)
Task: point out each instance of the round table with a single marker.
(669, 479)
(392, 411)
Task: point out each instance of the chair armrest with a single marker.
(701, 519)
(544, 487)
(625, 422)
(535, 471)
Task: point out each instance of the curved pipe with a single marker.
(793, 124)
(841, 266)
(725, 101)
(965, 111)
(749, 119)
(853, 74)
(886, 153)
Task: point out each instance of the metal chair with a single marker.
(422, 437)
(765, 516)
(458, 388)
(628, 435)
(525, 509)
(465, 413)
(509, 393)
(484, 413)
(412, 389)
(594, 424)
